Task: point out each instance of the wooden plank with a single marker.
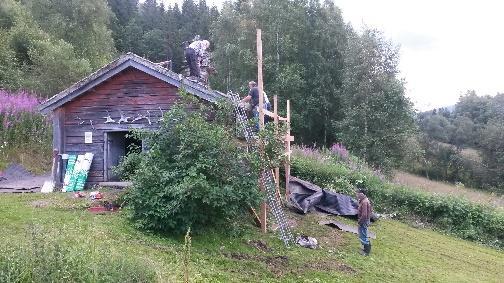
(103, 109)
(95, 173)
(55, 170)
(288, 152)
(261, 118)
(275, 120)
(105, 156)
(80, 139)
(58, 129)
(83, 148)
(114, 100)
(116, 184)
(58, 144)
(94, 180)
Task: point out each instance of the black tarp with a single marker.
(305, 196)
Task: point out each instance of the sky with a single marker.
(447, 47)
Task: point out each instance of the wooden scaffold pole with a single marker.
(275, 119)
(288, 140)
(260, 87)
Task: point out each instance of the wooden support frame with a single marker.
(288, 138)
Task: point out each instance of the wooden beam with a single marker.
(261, 121)
(58, 143)
(55, 165)
(260, 85)
(275, 119)
(273, 115)
(288, 152)
(257, 219)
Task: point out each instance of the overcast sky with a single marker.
(447, 46)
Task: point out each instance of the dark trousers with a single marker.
(192, 61)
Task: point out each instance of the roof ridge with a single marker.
(86, 83)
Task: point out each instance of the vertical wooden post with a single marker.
(275, 119)
(58, 121)
(261, 121)
(288, 149)
(260, 85)
(55, 172)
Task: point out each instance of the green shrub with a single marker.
(455, 215)
(193, 175)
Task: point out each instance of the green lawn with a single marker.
(400, 253)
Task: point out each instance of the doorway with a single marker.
(117, 145)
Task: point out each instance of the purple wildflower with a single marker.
(340, 151)
(19, 102)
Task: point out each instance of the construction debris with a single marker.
(16, 179)
(307, 242)
(345, 227)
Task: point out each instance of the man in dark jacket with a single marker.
(364, 218)
(253, 99)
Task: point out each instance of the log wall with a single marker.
(131, 92)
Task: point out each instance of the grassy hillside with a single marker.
(444, 188)
(400, 253)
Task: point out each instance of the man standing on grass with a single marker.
(364, 218)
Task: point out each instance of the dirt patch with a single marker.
(332, 240)
(328, 265)
(281, 265)
(41, 203)
(277, 265)
(260, 245)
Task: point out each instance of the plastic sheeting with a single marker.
(305, 196)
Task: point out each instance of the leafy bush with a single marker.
(49, 257)
(455, 215)
(193, 175)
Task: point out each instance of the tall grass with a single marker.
(48, 256)
(25, 134)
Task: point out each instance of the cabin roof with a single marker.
(120, 64)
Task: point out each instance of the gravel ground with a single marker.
(16, 179)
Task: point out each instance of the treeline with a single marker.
(343, 84)
(46, 45)
(465, 144)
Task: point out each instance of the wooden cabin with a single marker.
(96, 113)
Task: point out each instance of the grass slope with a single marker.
(400, 254)
(424, 184)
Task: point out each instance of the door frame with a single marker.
(106, 148)
(106, 151)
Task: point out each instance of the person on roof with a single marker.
(364, 219)
(193, 53)
(253, 99)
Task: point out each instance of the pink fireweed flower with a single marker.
(340, 151)
(19, 102)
